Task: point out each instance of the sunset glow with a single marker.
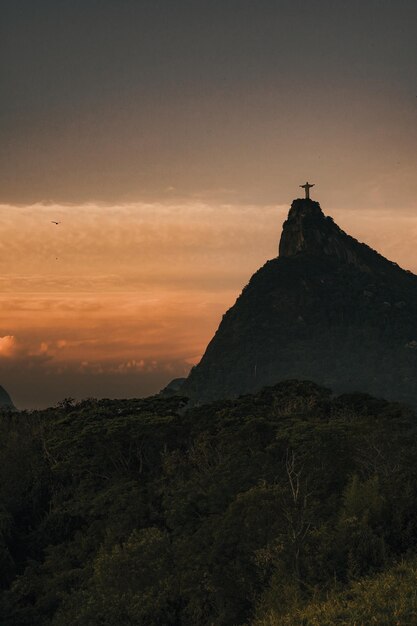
(169, 144)
(118, 300)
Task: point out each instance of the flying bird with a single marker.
(52, 221)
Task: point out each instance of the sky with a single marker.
(169, 139)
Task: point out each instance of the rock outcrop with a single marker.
(328, 309)
(5, 400)
(172, 388)
(308, 231)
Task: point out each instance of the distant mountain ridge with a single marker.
(5, 400)
(328, 309)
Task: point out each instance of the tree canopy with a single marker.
(142, 512)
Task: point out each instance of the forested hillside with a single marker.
(386, 599)
(257, 511)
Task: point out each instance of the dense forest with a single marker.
(289, 507)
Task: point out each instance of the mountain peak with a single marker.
(328, 309)
(5, 400)
(307, 230)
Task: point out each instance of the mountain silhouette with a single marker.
(5, 400)
(327, 309)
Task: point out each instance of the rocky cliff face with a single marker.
(328, 309)
(308, 231)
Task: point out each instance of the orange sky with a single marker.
(170, 138)
(117, 300)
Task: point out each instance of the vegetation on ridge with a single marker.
(387, 599)
(136, 512)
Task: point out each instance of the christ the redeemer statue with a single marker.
(307, 188)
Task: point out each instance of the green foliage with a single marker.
(389, 599)
(132, 583)
(138, 512)
(361, 524)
